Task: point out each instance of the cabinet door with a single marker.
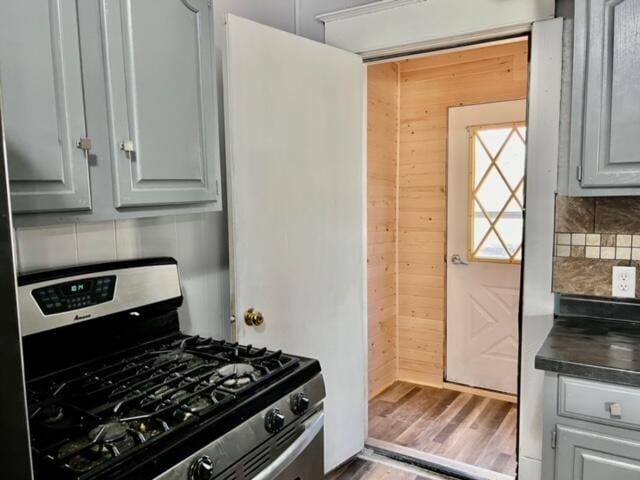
(43, 105)
(606, 93)
(161, 101)
(582, 455)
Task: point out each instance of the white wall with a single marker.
(199, 241)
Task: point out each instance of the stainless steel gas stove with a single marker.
(116, 391)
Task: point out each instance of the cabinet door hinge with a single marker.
(579, 172)
(554, 439)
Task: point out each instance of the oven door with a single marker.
(304, 458)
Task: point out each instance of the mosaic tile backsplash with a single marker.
(592, 236)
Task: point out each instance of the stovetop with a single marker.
(115, 390)
(85, 418)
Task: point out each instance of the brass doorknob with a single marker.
(253, 318)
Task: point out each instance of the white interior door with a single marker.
(484, 237)
(296, 172)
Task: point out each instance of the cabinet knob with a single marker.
(615, 409)
(84, 144)
(126, 146)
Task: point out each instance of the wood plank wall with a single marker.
(428, 87)
(382, 90)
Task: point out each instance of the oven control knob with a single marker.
(201, 469)
(299, 403)
(274, 421)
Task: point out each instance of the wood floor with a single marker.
(459, 426)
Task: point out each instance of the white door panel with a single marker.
(297, 201)
(482, 297)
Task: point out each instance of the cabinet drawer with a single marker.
(599, 402)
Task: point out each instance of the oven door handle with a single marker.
(312, 427)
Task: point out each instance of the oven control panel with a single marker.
(67, 296)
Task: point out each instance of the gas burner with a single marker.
(199, 402)
(240, 374)
(178, 355)
(104, 443)
(108, 433)
(49, 414)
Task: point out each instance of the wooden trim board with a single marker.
(505, 397)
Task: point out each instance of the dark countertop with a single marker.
(593, 348)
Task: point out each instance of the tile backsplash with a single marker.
(592, 236)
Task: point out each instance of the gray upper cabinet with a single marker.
(586, 455)
(110, 108)
(161, 101)
(605, 117)
(41, 79)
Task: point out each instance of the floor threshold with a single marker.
(385, 468)
(431, 463)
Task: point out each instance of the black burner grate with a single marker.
(86, 418)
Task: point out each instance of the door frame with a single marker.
(543, 107)
(543, 113)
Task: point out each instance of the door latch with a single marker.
(253, 317)
(456, 259)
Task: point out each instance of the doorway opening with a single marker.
(446, 163)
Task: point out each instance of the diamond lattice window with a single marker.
(497, 192)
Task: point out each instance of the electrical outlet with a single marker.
(623, 282)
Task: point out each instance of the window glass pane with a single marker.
(494, 138)
(497, 192)
(520, 193)
(481, 159)
(480, 226)
(511, 160)
(518, 255)
(493, 194)
(492, 249)
(523, 132)
(509, 226)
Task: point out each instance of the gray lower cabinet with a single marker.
(161, 101)
(584, 455)
(605, 94)
(591, 430)
(41, 80)
(137, 78)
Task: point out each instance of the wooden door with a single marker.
(161, 101)
(296, 175)
(606, 91)
(485, 193)
(44, 111)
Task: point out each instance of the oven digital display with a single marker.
(68, 296)
(76, 288)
